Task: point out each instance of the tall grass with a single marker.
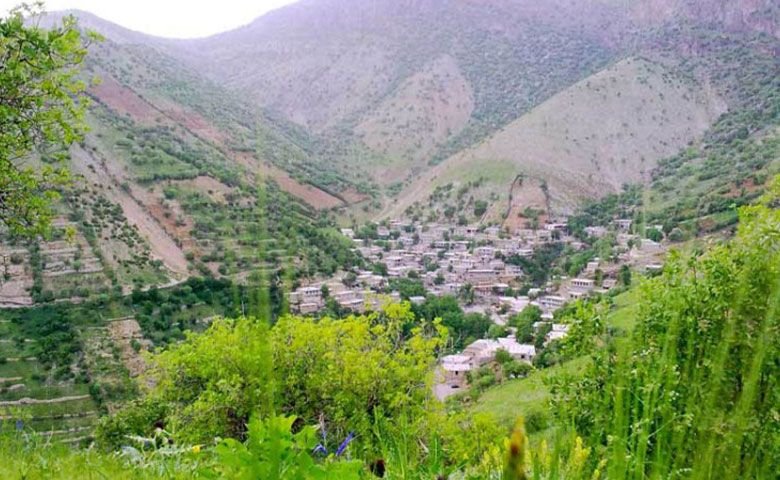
(695, 392)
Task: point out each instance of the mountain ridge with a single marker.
(388, 89)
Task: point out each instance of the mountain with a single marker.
(423, 82)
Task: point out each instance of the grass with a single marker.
(524, 396)
(42, 391)
(12, 349)
(19, 369)
(61, 408)
(624, 312)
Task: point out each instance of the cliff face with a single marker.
(756, 16)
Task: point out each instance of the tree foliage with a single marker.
(41, 111)
(343, 373)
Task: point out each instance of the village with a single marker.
(451, 260)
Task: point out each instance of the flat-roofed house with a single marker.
(551, 302)
(582, 284)
(456, 368)
(306, 308)
(484, 275)
(558, 332)
(515, 305)
(519, 351)
(623, 224)
(310, 294)
(481, 351)
(596, 231)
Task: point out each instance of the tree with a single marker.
(480, 207)
(462, 328)
(625, 275)
(350, 279)
(466, 293)
(676, 235)
(42, 110)
(347, 373)
(654, 234)
(503, 356)
(524, 323)
(516, 369)
(598, 277)
(408, 287)
(496, 331)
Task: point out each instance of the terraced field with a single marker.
(63, 410)
(63, 365)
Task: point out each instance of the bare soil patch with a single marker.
(313, 196)
(352, 196)
(194, 122)
(123, 332)
(124, 100)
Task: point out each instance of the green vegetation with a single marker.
(464, 328)
(703, 348)
(42, 112)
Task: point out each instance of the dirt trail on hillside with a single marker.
(163, 246)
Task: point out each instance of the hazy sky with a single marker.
(168, 18)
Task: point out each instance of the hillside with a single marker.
(605, 131)
(166, 147)
(216, 171)
(407, 79)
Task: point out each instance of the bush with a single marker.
(517, 369)
(536, 421)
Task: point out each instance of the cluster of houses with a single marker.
(363, 295)
(455, 368)
(446, 258)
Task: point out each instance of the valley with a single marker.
(414, 220)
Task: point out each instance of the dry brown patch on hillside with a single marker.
(194, 122)
(352, 196)
(124, 100)
(317, 198)
(525, 194)
(169, 214)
